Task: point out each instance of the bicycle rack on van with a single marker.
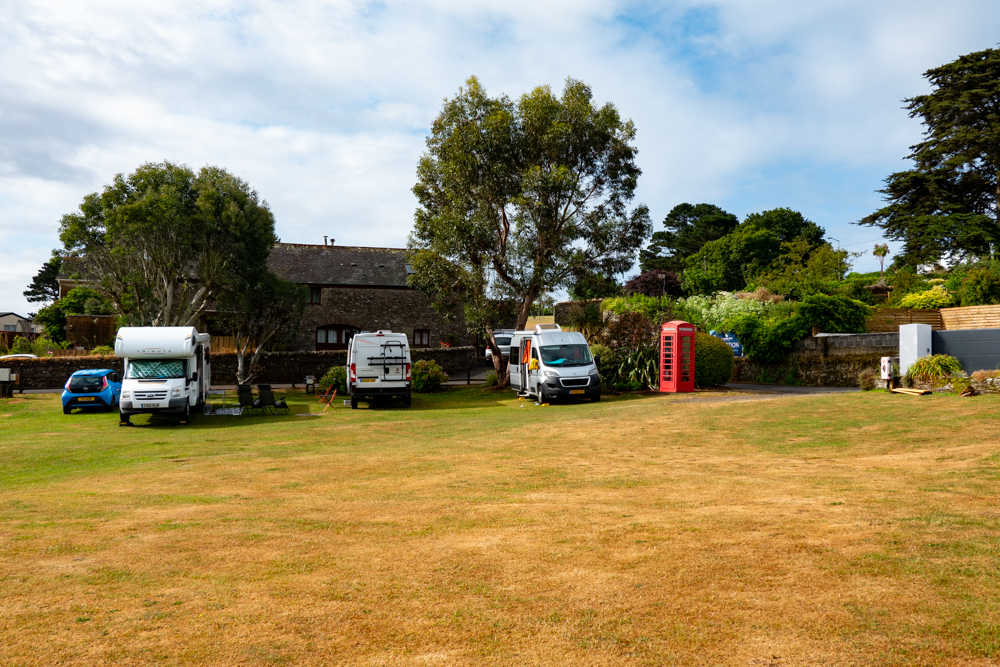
(385, 361)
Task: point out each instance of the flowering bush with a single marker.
(935, 297)
(709, 312)
(427, 376)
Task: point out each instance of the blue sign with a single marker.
(731, 340)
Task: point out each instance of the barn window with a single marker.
(315, 295)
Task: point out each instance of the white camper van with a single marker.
(166, 370)
(550, 363)
(378, 367)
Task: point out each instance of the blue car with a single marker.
(93, 388)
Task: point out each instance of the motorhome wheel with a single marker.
(187, 413)
(596, 398)
(124, 420)
(354, 402)
(407, 401)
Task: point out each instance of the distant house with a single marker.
(14, 323)
(361, 289)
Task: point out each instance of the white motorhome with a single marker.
(378, 367)
(166, 370)
(550, 363)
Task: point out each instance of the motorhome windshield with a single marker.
(577, 354)
(155, 369)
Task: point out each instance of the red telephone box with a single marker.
(677, 357)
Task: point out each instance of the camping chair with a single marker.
(267, 399)
(246, 398)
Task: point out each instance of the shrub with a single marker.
(21, 345)
(981, 287)
(710, 312)
(427, 376)
(713, 361)
(637, 367)
(835, 314)
(979, 376)
(934, 367)
(655, 283)
(935, 297)
(336, 378)
(656, 308)
(866, 379)
(103, 350)
(629, 330)
(492, 379)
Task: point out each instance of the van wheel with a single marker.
(186, 416)
(354, 402)
(124, 420)
(596, 398)
(408, 401)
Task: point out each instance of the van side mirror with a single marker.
(597, 360)
(194, 376)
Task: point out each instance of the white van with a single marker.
(550, 363)
(166, 371)
(378, 367)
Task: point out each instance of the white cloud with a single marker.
(322, 106)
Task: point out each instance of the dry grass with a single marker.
(979, 376)
(837, 530)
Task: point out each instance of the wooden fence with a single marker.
(971, 317)
(889, 319)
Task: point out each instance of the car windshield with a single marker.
(85, 383)
(577, 354)
(155, 369)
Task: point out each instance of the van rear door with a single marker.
(393, 360)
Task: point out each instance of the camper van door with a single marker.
(513, 363)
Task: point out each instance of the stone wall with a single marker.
(370, 309)
(811, 371)
(274, 367)
(880, 344)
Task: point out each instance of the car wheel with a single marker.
(67, 409)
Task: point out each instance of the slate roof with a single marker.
(339, 265)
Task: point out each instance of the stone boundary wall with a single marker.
(834, 371)
(274, 367)
(881, 344)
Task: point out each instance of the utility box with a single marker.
(886, 368)
(677, 357)
(5, 375)
(914, 343)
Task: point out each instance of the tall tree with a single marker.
(518, 197)
(166, 241)
(733, 261)
(946, 206)
(688, 228)
(44, 287)
(255, 312)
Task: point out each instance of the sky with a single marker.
(323, 107)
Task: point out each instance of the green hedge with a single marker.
(713, 361)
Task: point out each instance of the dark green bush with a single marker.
(492, 379)
(103, 350)
(427, 376)
(981, 287)
(713, 361)
(835, 314)
(336, 378)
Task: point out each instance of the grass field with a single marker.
(854, 529)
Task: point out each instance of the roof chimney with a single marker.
(324, 240)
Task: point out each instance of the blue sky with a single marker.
(323, 107)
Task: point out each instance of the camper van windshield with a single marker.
(155, 369)
(566, 355)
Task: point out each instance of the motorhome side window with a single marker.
(155, 369)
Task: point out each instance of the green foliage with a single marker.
(44, 287)
(584, 286)
(166, 242)
(520, 197)
(933, 368)
(629, 331)
(802, 270)
(935, 297)
(981, 286)
(688, 228)
(733, 261)
(103, 351)
(78, 301)
(427, 376)
(41, 346)
(658, 309)
(586, 318)
(492, 379)
(713, 361)
(21, 345)
(867, 378)
(947, 205)
(335, 379)
(631, 369)
(771, 341)
(710, 312)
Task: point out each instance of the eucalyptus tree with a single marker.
(517, 197)
(164, 242)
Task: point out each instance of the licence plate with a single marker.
(577, 391)
(149, 405)
(84, 399)
(367, 380)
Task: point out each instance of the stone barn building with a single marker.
(361, 289)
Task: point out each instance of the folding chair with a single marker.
(267, 399)
(247, 401)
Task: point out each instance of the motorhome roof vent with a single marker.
(539, 328)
